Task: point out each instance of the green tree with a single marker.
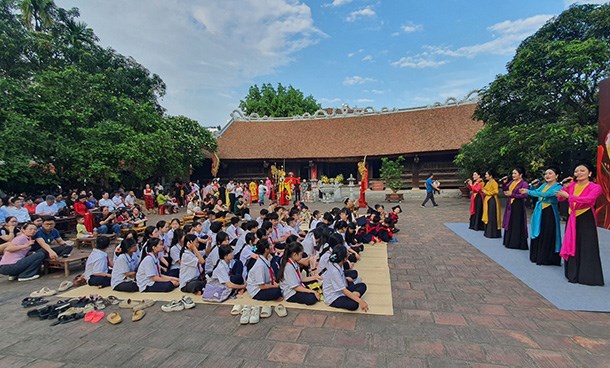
(73, 112)
(544, 109)
(38, 12)
(280, 102)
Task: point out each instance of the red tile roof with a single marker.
(374, 134)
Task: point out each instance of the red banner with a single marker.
(603, 155)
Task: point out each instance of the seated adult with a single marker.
(118, 200)
(80, 208)
(59, 201)
(16, 210)
(8, 232)
(130, 200)
(138, 219)
(46, 236)
(106, 202)
(91, 201)
(30, 205)
(193, 208)
(15, 262)
(48, 207)
(220, 207)
(108, 224)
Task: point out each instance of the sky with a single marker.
(377, 53)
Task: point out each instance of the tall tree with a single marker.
(544, 109)
(38, 12)
(280, 102)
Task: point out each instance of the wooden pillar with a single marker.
(415, 176)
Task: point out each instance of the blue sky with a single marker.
(363, 53)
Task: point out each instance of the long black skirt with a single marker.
(585, 267)
(476, 220)
(516, 236)
(491, 228)
(542, 249)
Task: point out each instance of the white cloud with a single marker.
(364, 100)
(395, 34)
(377, 91)
(203, 48)
(364, 12)
(508, 34)
(368, 58)
(355, 52)
(410, 28)
(356, 79)
(336, 3)
(418, 62)
(328, 101)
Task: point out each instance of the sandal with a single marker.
(113, 300)
(127, 304)
(65, 285)
(114, 318)
(32, 302)
(97, 317)
(280, 310)
(236, 310)
(245, 315)
(137, 315)
(266, 311)
(45, 291)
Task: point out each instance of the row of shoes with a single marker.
(253, 314)
(136, 304)
(179, 305)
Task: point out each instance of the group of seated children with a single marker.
(272, 257)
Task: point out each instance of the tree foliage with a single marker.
(72, 111)
(544, 109)
(280, 102)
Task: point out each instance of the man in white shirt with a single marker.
(106, 202)
(18, 211)
(231, 190)
(48, 207)
(130, 200)
(118, 200)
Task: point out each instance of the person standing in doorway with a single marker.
(430, 188)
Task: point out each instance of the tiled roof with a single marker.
(373, 134)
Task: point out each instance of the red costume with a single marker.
(476, 189)
(81, 209)
(148, 197)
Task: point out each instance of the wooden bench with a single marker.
(77, 257)
(138, 230)
(91, 240)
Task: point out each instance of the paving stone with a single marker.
(115, 355)
(12, 361)
(307, 319)
(149, 357)
(550, 359)
(322, 356)
(341, 322)
(41, 363)
(364, 359)
(221, 361)
(184, 359)
(284, 333)
(452, 319)
(286, 352)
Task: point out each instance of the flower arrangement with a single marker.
(326, 180)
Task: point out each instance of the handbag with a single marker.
(216, 292)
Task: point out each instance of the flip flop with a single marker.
(146, 303)
(114, 318)
(137, 315)
(113, 300)
(97, 317)
(266, 311)
(89, 316)
(280, 310)
(45, 291)
(32, 302)
(236, 310)
(127, 304)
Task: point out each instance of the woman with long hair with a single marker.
(515, 216)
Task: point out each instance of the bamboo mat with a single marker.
(372, 268)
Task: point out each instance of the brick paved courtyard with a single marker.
(453, 307)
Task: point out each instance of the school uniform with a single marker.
(314, 223)
(174, 268)
(211, 260)
(334, 283)
(97, 263)
(149, 267)
(260, 274)
(221, 272)
(190, 273)
(292, 279)
(119, 282)
(233, 232)
(276, 234)
(309, 244)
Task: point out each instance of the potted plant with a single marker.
(391, 172)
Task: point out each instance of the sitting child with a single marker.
(393, 216)
(123, 272)
(289, 275)
(149, 277)
(191, 260)
(81, 230)
(174, 252)
(261, 278)
(221, 272)
(337, 292)
(97, 267)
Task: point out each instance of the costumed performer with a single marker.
(491, 207)
(515, 216)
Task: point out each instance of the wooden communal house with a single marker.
(331, 142)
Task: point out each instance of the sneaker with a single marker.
(436, 205)
(28, 278)
(393, 240)
(12, 278)
(188, 302)
(173, 306)
(245, 315)
(422, 206)
(255, 314)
